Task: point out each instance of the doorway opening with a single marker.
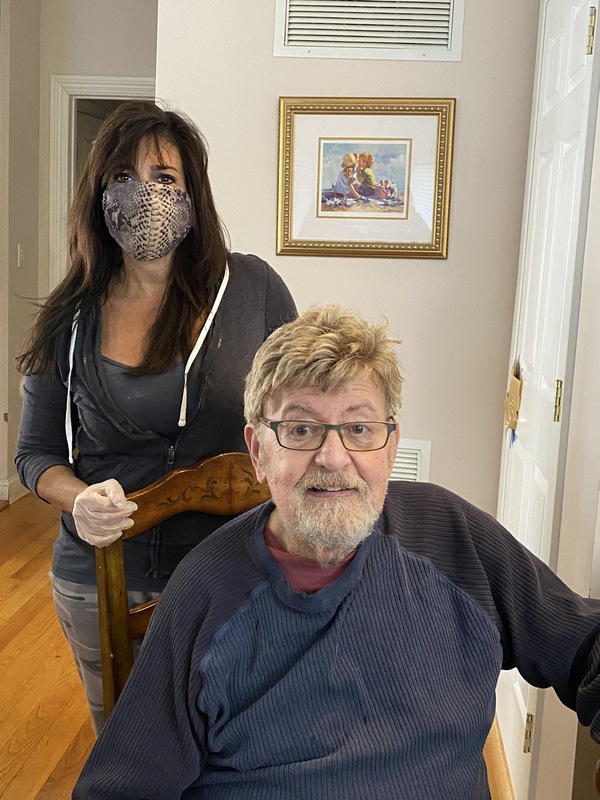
(89, 116)
(77, 101)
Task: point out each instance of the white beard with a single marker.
(332, 524)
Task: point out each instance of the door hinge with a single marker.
(591, 34)
(528, 737)
(558, 396)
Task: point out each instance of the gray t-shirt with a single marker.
(151, 402)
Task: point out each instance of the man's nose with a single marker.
(332, 453)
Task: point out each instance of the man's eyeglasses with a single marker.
(296, 434)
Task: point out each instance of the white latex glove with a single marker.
(101, 513)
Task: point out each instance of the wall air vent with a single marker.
(412, 461)
(415, 30)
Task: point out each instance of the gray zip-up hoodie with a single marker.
(109, 445)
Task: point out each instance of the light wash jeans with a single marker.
(77, 609)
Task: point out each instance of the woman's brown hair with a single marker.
(95, 258)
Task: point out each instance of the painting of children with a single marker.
(371, 181)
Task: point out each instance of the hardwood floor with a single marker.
(45, 731)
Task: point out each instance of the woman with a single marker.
(136, 362)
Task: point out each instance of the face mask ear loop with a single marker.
(68, 421)
(199, 342)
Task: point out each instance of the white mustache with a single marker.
(332, 480)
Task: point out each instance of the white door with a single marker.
(545, 315)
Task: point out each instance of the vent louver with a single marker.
(369, 28)
(412, 461)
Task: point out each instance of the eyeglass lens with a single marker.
(304, 435)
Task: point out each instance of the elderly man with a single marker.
(345, 639)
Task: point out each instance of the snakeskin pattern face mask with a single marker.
(148, 220)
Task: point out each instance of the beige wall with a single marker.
(456, 315)
(40, 39)
(86, 37)
(19, 166)
(4, 251)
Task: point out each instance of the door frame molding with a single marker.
(65, 90)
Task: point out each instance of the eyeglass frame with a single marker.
(274, 425)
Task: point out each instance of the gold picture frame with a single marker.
(364, 176)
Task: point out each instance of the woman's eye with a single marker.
(122, 177)
(166, 179)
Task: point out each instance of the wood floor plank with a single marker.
(24, 520)
(14, 593)
(63, 777)
(49, 750)
(32, 606)
(11, 545)
(28, 550)
(45, 730)
(34, 662)
(43, 694)
(36, 563)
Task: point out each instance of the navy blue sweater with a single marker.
(378, 686)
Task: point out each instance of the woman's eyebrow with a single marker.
(157, 167)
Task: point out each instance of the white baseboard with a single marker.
(12, 490)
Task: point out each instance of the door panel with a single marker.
(545, 313)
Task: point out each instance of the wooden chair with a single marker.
(226, 485)
(497, 766)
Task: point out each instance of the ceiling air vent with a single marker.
(414, 30)
(412, 460)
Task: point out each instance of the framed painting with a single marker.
(364, 177)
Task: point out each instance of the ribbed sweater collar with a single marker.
(325, 599)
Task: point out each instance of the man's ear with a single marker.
(253, 444)
(393, 443)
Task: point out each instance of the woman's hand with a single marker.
(101, 513)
